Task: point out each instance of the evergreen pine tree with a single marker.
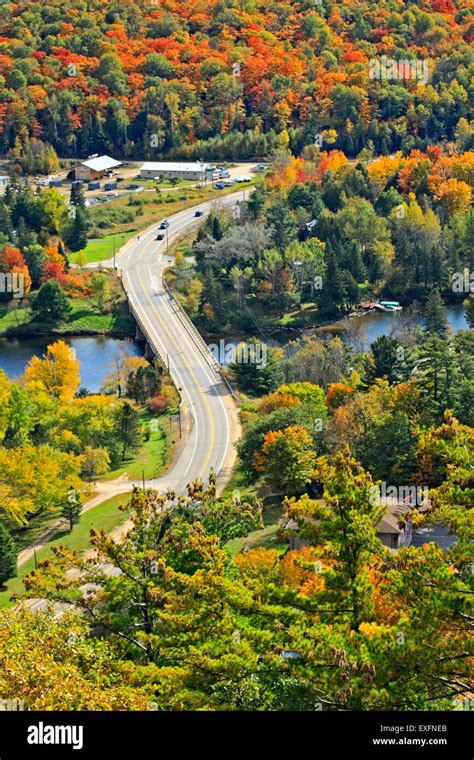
(435, 314)
(71, 509)
(256, 203)
(77, 196)
(356, 263)
(50, 303)
(128, 429)
(283, 230)
(75, 234)
(439, 374)
(333, 293)
(351, 288)
(6, 227)
(217, 232)
(387, 359)
(258, 378)
(213, 293)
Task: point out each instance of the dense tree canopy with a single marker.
(231, 79)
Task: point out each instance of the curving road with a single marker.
(210, 418)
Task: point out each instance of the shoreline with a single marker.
(66, 334)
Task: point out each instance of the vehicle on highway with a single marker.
(160, 237)
(199, 213)
(219, 185)
(164, 225)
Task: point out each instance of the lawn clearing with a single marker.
(105, 516)
(266, 536)
(100, 249)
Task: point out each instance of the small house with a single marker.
(388, 530)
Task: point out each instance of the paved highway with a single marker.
(210, 416)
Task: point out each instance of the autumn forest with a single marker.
(230, 79)
(266, 504)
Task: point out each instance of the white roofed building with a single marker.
(193, 170)
(95, 168)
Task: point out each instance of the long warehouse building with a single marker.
(173, 169)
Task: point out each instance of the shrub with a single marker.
(158, 404)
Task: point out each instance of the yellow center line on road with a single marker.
(202, 473)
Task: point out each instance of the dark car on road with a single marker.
(160, 237)
(219, 185)
(164, 225)
(199, 213)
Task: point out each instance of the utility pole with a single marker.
(143, 479)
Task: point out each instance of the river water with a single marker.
(359, 331)
(96, 355)
(377, 323)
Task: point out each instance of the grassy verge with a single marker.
(85, 318)
(238, 482)
(37, 526)
(152, 457)
(272, 517)
(105, 516)
(102, 248)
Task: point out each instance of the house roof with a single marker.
(391, 518)
(101, 163)
(388, 523)
(172, 166)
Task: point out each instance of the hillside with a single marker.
(227, 79)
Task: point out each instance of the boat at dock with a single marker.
(388, 306)
(367, 306)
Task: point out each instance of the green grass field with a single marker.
(13, 319)
(102, 248)
(272, 518)
(83, 319)
(105, 516)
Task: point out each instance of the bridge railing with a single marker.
(197, 338)
(145, 332)
(192, 331)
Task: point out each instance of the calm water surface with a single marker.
(363, 329)
(96, 355)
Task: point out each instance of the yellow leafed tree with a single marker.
(57, 372)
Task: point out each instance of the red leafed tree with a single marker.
(11, 258)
